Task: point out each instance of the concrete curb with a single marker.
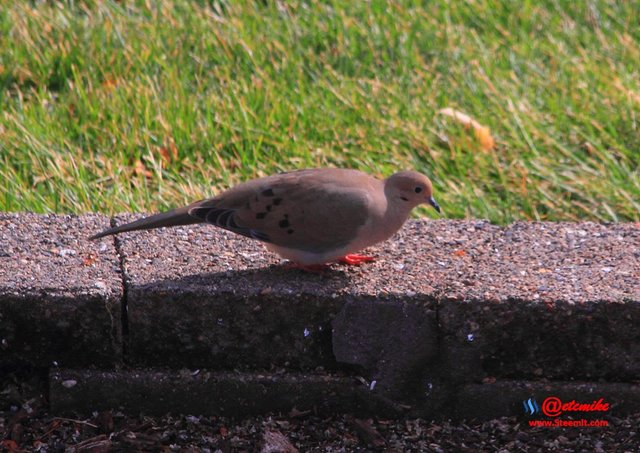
(158, 392)
(60, 295)
(231, 393)
(448, 305)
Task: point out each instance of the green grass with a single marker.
(117, 106)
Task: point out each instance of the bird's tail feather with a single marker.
(175, 217)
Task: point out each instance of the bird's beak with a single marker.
(432, 201)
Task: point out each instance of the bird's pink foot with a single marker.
(313, 268)
(356, 260)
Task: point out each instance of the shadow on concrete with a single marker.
(279, 276)
(261, 318)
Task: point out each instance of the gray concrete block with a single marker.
(555, 300)
(217, 393)
(224, 393)
(59, 293)
(559, 301)
(394, 343)
(202, 297)
(447, 305)
(521, 339)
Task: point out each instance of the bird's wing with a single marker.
(311, 210)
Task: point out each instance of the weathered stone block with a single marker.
(507, 398)
(199, 296)
(552, 300)
(217, 393)
(394, 343)
(59, 292)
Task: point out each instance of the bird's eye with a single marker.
(418, 189)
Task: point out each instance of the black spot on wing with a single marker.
(268, 193)
(261, 215)
(277, 201)
(284, 223)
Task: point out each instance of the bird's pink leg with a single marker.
(356, 260)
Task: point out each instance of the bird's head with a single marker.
(410, 188)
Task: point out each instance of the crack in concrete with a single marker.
(124, 280)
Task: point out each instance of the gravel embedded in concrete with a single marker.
(203, 297)
(447, 304)
(529, 300)
(455, 317)
(59, 293)
(461, 260)
(530, 261)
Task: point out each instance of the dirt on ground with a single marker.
(113, 431)
(26, 425)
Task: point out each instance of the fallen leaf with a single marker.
(168, 153)
(9, 445)
(140, 170)
(482, 133)
(90, 259)
(109, 84)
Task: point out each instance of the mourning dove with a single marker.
(310, 217)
